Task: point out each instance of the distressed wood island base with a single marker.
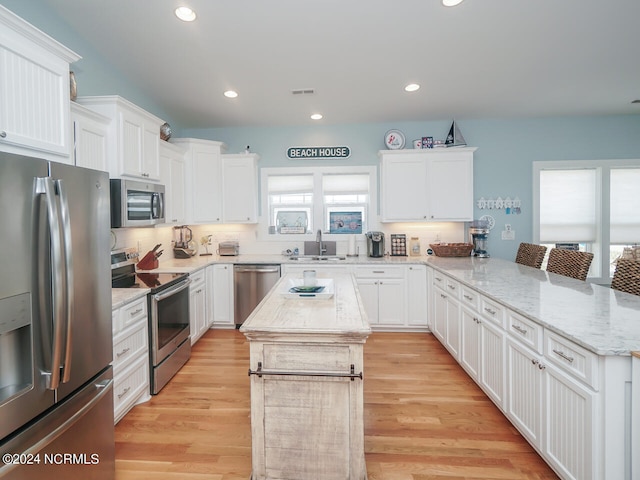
(306, 368)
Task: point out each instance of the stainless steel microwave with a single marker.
(136, 204)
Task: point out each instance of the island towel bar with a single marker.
(352, 375)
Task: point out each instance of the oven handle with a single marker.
(167, 293)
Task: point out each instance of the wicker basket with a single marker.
(451, 249)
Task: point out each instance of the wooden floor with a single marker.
(425, 419)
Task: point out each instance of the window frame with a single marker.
(319, 208)
(601, 247)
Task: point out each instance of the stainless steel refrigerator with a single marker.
(56, 393)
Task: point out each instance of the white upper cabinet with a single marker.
(90, 131)
(426, 185)
(134, 137)
(173, 176)
(34, 91)
(203, 183)
(240, 188)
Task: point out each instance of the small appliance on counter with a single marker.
(479, 230)
(150, 260)
(183, 244)
(228, 248)
(375, 244)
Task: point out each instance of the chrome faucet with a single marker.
(321, 250)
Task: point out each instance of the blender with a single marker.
(479, 230)
(183, 244)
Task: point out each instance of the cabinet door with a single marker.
(403, 185)
(440, 314)
(207, 183)
(524, 382)
(34, 94)
(368, 288)
(198, 311)
(131, 141)
(450, 186)
(492, 367)
(470, 342)
(391, 301)
(90, 139)
(239, 189)
(569, 424)
(150, 151)
(452, 335)
(417, 295)
(172, 175)
(221, 292)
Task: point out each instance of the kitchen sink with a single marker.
(318, 258)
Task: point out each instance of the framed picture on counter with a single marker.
(345, 222)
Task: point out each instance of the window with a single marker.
(302, 200)
(589, 203)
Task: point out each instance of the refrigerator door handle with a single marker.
(47, 187)
(68, 270)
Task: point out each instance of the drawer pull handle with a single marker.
(468, 297)
(477, 320)
(3, 134)
(378, 271)
(443, 295)
(518, 328)
(452, 287)
(438, 279)
(488, 310)
(122, 352)
(352, 375)
(561, 354)
(135, 312)
(124, 392)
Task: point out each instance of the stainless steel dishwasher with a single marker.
(251, 284)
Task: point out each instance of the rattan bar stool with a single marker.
(626, 278)
(530, 254)
(569, 263)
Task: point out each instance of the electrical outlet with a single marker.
(508, 234)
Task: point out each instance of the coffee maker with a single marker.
(375, 244)
(479, 230)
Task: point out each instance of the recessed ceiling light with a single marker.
(185, 14)
(412, 87)
(451, 3)
(231, 94)
(316, 116)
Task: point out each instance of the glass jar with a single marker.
(414, 246)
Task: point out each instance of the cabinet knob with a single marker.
(3, 134)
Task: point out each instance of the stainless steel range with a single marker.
(168, 302)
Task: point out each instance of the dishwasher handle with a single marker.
(257, 270)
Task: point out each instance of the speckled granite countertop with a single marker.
(602, 320)
(122, 296)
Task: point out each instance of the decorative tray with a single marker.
(295, 288)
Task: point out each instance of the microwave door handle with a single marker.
(157, 206)
(68, 271)
(46, 186)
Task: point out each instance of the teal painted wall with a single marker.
(503, 161)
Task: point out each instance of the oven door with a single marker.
(169, 320)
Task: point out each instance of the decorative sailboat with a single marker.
(454, 137)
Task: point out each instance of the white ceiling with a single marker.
(483, 58)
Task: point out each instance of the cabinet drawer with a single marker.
(130, 385)
(439, 279)
(525, 330)
(197, 278)
(470, 297)
(305, 357)
(492, 311)
(130, 344)
(385, 271)
(452, 288)
(571, 358)
(133, 312)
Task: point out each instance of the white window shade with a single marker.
(625, 206)
(568, 205)
(345, 184)
(279, 184)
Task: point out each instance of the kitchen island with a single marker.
(306, 368)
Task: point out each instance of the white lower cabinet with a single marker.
(383, 292)
(417, 295)
(198, 323)
(221, 311)
(447, 313)
(130, 357)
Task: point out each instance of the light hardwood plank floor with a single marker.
(425, 419)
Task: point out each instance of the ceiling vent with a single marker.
(303, 91)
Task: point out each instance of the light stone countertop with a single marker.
(342, 314)
(122, 296)
(602, 320)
